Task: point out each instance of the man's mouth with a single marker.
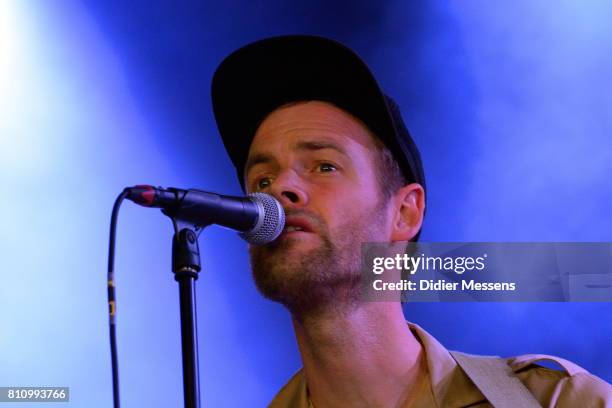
(292, 228)
(297, 225)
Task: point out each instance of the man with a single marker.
(304, 120)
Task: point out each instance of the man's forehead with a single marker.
(311, 121)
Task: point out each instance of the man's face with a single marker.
(319, 161)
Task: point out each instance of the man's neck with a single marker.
(364, 357)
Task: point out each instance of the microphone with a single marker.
(259, 218)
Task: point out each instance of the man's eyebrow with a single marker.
(320, 145)
(310, 145)
(257, 158)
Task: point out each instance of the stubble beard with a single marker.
(326, 278)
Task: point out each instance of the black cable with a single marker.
(112, 307)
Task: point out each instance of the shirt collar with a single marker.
(451, 388)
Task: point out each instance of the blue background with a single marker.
(509, 102)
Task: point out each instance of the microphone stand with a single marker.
(181, 209)
(186, 266)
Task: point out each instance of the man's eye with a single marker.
(263, 183)
(326, 167)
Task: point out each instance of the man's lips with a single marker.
(297, 224)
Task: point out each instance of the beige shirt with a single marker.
(572, 386)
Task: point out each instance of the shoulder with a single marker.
(569, 386)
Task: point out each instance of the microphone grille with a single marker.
(270, 223)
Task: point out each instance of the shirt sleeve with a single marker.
(563, 389)
(584, 390)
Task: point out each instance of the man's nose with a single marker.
(288, 189)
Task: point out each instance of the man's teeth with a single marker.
(290, 228)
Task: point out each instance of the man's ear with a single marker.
(408, 212)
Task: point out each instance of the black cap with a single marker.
(260, 77)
